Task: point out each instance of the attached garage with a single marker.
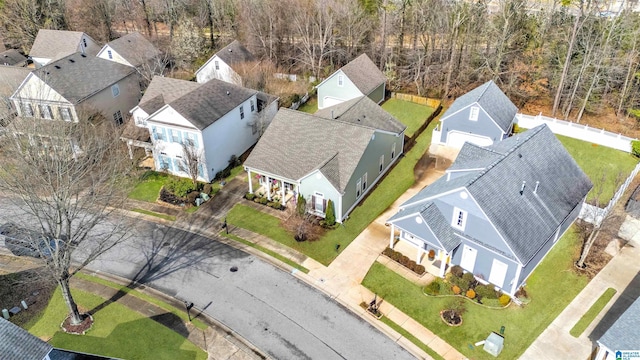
(456, 139)
(330, 101)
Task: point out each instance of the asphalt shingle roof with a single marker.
(17, 344)
(11, 57)
(440, 226)
(364, 74)
(79, 76)
(163, 90)
(363, 111)
(624, 334)
(235, 53)
(491, 99)
(10, 79)
(55, 44)
(135, 48)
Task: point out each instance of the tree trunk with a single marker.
(68, 299)
(565, 68)
(210, 23)
(587, 246)
(147, 22)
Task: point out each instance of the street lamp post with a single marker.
(188, 306)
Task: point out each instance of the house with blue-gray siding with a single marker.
(498, 210)
(338, 154)
(482, 116)
(360, 77)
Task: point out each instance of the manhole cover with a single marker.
(233, 269)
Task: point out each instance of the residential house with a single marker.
(51, 45)
(226, 64)
(12, 57)
(78, 86)
(482, 116)
(498, 210)
(622, 337)
(360, 77)
(10, 79)
(132, 49)
(218, 119)
(337, 154)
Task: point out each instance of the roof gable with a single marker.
(133, 47)
(235, 53)
(364, 74)
(163, 90)
(54, 44)
(11, 77)
(365, 112)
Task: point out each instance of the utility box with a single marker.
(494, 344)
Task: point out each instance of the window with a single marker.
(358, 188)
(65, 113)
(27, 110)
(115, 90)
(109, 54)
(459, 219)
(340, 80)
(381, 162)
(192, 139)
(393, 151)
(117, 116)
(318, 202)
(364, 182)
(140, 121)
(241, 112)
(45, 111)
(253, 107)
(174, 136)
(473, 113)
(217, 64)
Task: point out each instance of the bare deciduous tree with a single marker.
(192, 160)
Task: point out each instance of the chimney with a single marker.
(524, 183)
(535, 191)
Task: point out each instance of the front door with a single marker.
(468, 258)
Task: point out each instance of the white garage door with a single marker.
(457, 139)
(330, 101)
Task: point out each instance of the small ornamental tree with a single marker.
(330, 214)
(301, 205)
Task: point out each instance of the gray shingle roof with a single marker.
(474, 157)
(55, 44)
(440, 226)
(10, 79)
(624, 334)
(17, 344)
(491, 99)
(135, 48)
(79, 76)
(525, 221)
(163, 90)
(364, 74)
(363, 111)
(296, 143)
(235, 53)
(11, 57)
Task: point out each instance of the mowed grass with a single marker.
(600, 162)
(591, 314)
(311, 106)
(397, 181)
(411, 114)
(266, 251)
(148, 189)
(551, 288)
(117, 332)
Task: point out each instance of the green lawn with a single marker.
(411, 114)
(311, 106)
(149, 186)
(323, 250)
(593, 311)
(266, 251)
(411, 338)
(551, 287)
(597, 161)
(116, 332)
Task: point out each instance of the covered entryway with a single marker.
(456, 139)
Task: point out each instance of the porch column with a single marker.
(268, 188)
(393, 230)
(250, 184)
(419, 255)
(283, 193)
(443, 262)
(130, 150)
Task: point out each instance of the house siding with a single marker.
(330, 88)
(115, 57)
(225, 72)
(316, 182)
(460, 122)
(420, 231)
(105, 103)
(377, 94)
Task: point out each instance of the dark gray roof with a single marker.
(363, 111)
(79, 76)
(17, 344)
(235, 53)
(135, 48)
(364, 74)
(11, 57)
(491, 99)
(54, 44)
(163, 90)
(624, 334)
(297, 143)
(440, 227)
(525, 221)
(10, 79)
(474, 157)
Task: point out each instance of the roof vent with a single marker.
(83, 55)
(71, 61)
(230, 50)
(56, 66)
(520, 156)
(524, 183)
(228, 92)
(535, 191)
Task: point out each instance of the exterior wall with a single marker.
(139, 116)
(377, 94)
(104, 54)
(459, 121)
(225, 73)
(316, 182)
(381, 144)
(409, 227)
(108, 105)
(36, 92)
(330, 88)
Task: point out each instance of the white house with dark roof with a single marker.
(336, 154)
(51, 45)
(218, 118)
(360, 77)
(132, 49)
(10, 79)
(498, 210)
(77, 86)
(482, 116)
(226, 64)
(622, 335)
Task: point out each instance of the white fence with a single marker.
(577, 131)
(302, 100)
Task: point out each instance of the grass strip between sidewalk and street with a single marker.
(152, 213)
(411, 338)
(591, 314)
(142, 296)
(266, 251)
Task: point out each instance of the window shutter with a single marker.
(313, 200)
(324, 205)
(154, 132)
(164, 134)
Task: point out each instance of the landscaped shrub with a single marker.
(206, 188)
(179, 186)
(486, 292)
(468, 280)
(192, 196)
(263, 201)
(456, 289)
(419, 269)
(404, 260)
(457, 270)
(301, 205)
(504, 299)
(521, 293)
(635, 148)
(387, 252)
(471, 294)
(433, 288)
(222, 174)
(330, 214)
(169, 197)
(249, 196)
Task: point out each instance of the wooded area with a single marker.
(567, 59)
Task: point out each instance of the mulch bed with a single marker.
(78, 329)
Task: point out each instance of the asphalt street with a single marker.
(281, 315)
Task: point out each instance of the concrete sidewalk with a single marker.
(556, 342)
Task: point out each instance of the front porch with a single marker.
(419, 252)
(272, 187)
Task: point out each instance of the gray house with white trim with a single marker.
(622, 335)
(498, 210)
(360, 77)
(482, 116)
(337, 154)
